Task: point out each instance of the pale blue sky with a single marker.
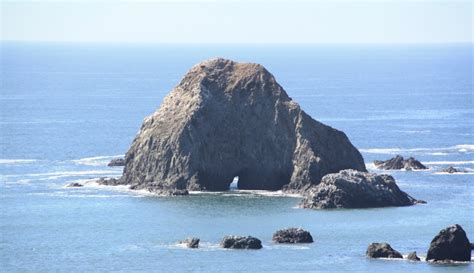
(227, 21)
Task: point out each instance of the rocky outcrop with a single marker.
(292, 236)
(451, 169)
(74, 185)
(228, 119)
(398, 163)
(116, 162)
(355, 189)
(191, 242)
(382, 250)
(241, 242)
(412, 256)
(106, 181)
(451, 244)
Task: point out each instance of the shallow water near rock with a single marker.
(67, 110)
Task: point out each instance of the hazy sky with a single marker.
(227, 21)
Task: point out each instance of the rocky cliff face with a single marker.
(228, 119)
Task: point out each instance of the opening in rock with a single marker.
(234, 185)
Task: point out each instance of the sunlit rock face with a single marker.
(227, 119)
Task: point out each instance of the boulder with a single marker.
(107, 181)
(450, 169)
(398, 163)
(355, 189)
(241, 242)
(450, 244)
(412, 256)
(191, 242)
(382, 250)
(292, 236)
(227, 119)
(74, 185)
(116, 162)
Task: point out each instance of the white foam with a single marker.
(16, 161)
(247, 193)
(96, 160)
(449, 162)
(462, 148)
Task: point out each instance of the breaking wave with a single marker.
(16, 161)
(96, 160)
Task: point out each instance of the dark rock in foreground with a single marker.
(116, 162)
(451, 169)
(382, 250)
(191, 242)
(74, 185)
(228, 119)
(354, 189)
(241, 242)
(398, 163)
(292, 236)
(412, 256)
(450, 244)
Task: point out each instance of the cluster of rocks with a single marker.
(283, 236)
(116, 162)
(450, 244)
(451, 170)
(398, 163)
(355, 189)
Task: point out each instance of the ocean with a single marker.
(67, 109)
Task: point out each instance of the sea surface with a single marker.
(67, 109)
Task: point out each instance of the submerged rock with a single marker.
(74, 185)
(412, 256)
(116, 162)
(241, 242)
(451, 244)
(292, 236)
(159, 189)
(228, 119)
(355, 189)
(451, 169)
(191, 242)
(382, 250)
(398, 163)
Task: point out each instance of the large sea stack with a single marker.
(228, 119)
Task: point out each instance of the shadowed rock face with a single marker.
(450, 244)
(228, 119)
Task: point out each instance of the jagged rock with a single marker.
(116, 162)
(292, 236)
(450, 244)
(412, 256)
(354, 189)
(382, 250)
(191, 242)
(228, 119)
(74, 185)
(450, 169)
(160, 189)
(398, 163)
(241, 242)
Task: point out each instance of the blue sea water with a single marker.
(67, 109)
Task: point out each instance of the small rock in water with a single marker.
(74, 185)
(398, 163)
(413, 257)
(451, 169)
(116, 162)
(108, 181)
(241, 242)
(292, 236)
(451, 244)
(382, 250)
(191, 242)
